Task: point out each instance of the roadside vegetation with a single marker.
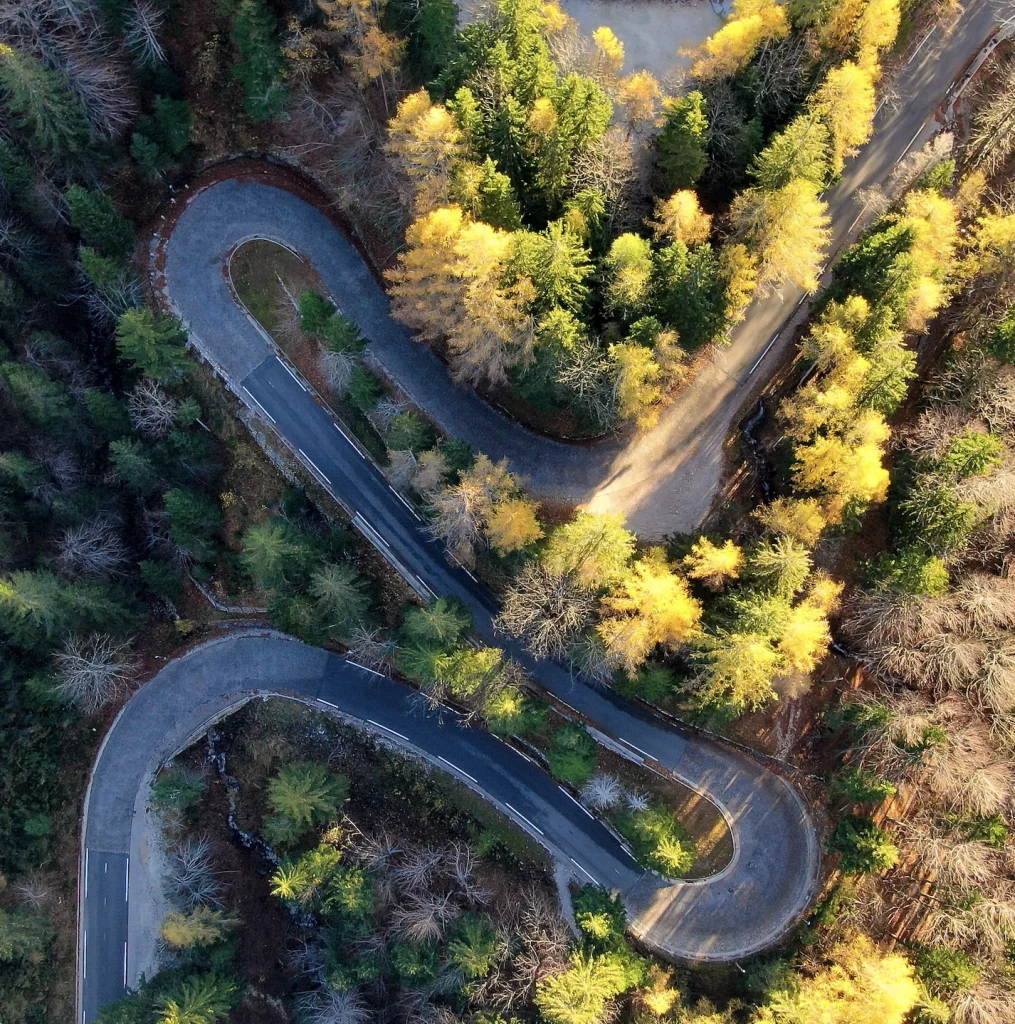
(569, 236)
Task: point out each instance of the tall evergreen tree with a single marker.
(40, 103)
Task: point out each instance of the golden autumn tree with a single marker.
(637, 383)
(681, 219)
(876, 30)
(639, 96)
(751, 23)
(845, 467)
(798, 518)
(714, 564)
(788, 229)
(426, 141)
(739, 271)
(512, 525)
(858, 984)
(629, 263)
(607, 56)
(652, 605)
(449, 285)
(845, 101)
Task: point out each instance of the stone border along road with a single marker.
(740, 910)
(664, 479)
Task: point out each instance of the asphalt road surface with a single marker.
(731, 914)
(663, 480)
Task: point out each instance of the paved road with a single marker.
(729, 915)
(189, 694)
(663, 480)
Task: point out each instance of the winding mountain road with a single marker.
(740, 910)
(664, 480)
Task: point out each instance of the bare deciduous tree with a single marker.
(371, 648)
(93, 549)
(144, 22)
(549, 610)
(326, 1006)
(602, 792)
(424, 917)
(401, 469)
(151, 409)
(191, 878)
(92, 670)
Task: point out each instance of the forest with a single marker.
(572, 238)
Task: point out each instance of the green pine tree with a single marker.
(99, 223)
(40, 103)
(260, 68)
(152, 343)
(680, 144)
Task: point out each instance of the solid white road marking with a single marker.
(365, 669)
(321, 700)
(768, 348)
(259, 406)
(346, 436)
(86, 874)
(461, 771)
(519, 814)
(591, 878)
(920, 47)
(364, 525)
(577, 803)
(310, 462)
(126, 880)
(387, 728)
(125, 965)
(84, 955)
(291, 374)
(628, 743)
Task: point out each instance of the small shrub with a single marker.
(944, 971)
(650, 683)
(510, 713)
(600, 916)
(862, 846)
(315, 311)
(414, 966)
(364, 389)
(409, 432)
(857, 785)
(911, 571)
(571, 756)
(658, 840)
(178, 789)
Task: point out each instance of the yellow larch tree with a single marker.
(639, 96)
(714, 564)
(653, 605)
(740, 274)
(427, 288)
(845, 101)
(751, 23)
(637, 384)
(607, 56)
(788, 228)
(877, 30)
(844, 468)
(380, 53)
(425, 139)
(513, 525)
(448, 286)
(681, 218)
(799, 518)
(860, 984)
